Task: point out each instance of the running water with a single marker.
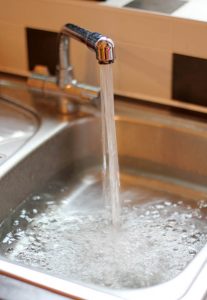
(110, 156)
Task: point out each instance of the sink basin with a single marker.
(162, 156)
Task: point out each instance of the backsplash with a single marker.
(145, 42)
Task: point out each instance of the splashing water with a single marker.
(111, 181)
(154, 243)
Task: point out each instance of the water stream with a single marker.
(110, 155)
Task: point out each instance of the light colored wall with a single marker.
(144, 41)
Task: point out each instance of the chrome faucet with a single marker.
(103, 47)
(64, 85)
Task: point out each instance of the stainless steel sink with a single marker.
(17, 126)
(159, 149)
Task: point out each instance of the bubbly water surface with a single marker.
(154, 243)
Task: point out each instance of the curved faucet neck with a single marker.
(103, 47)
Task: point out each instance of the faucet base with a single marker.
(69, 97)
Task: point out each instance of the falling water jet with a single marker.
(110, 156)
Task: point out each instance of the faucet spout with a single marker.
(102, 45)
(67, 90)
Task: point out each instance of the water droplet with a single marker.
(36, 198)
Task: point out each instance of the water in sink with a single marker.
(66, 231)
